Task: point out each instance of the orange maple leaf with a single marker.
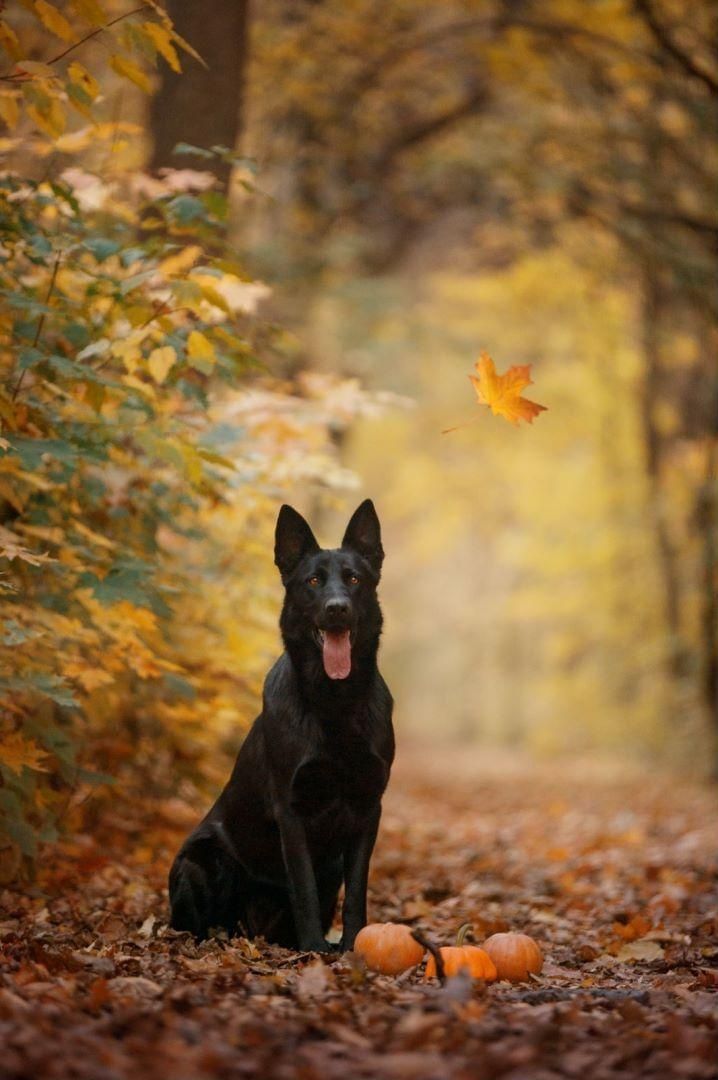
(16, 751)
(502, 393)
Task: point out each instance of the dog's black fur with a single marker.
(300, 812)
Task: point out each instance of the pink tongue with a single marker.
(337, 653)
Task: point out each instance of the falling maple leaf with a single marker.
(502, 393)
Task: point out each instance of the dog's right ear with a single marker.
(293, 539)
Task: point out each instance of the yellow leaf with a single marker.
(38, 69)
(9, 110)
(16, 751)
(44, 110)
(161, 38)
(90, 11)
(75, 141)
(128, 351)
(130, 70)
(213, 296)
(187, 47)
(9, 40)
(193, 467)
(52, 122)
(110, 129)
(180, 260)
(53, 20)
(89, 678)
(200, 352)
(92, 536)
(160, 361)
(81, 77)
(502, 393)
(142, 387)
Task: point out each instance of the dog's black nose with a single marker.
(336, 608)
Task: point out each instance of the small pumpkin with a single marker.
(516, 956)
(470, 958)
(388, 948)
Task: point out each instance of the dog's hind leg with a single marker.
(190, 897)
(205, 886)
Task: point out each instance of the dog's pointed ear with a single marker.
(293, 539)
(363, 534)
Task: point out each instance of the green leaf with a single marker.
(44, 683)
(196, 151)
(23, 835)
(53, 738)
(132, 255)
(31, 451)
(28, 357)
(101, 247)
(129, 580)
(186, 208)
(16, 634)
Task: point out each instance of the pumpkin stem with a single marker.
(462, 932)
(435, 952)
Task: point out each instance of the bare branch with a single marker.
(21, 75)
(663, 37)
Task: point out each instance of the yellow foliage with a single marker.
(54, 20)
(9, 108)
(89, 10)
(9, 40)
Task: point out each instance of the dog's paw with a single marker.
(320, 945)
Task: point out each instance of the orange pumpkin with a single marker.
(516, 956)
(388, 948)
(470, 958)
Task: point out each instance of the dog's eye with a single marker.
(353, 579)
(313, 581)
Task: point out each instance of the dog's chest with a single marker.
(341, 785)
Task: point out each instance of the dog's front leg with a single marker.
(356, 876)
(302, 884)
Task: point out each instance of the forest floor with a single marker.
(613, 872)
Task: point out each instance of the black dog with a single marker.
(301, 810)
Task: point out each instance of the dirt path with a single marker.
(614, 875)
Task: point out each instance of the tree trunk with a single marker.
(708, 525)
(202, 106)
(652, 306)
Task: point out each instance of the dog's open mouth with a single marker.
(336, 652)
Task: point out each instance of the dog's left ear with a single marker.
(363, 534)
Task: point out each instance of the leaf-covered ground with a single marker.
(614, 875)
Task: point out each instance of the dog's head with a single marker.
(331, 604)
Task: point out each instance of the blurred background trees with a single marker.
(415, 144)
(416, 182)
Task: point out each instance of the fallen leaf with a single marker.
(640, 950)
(313, 981)
(134, 986)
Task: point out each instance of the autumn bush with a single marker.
(144, 448)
